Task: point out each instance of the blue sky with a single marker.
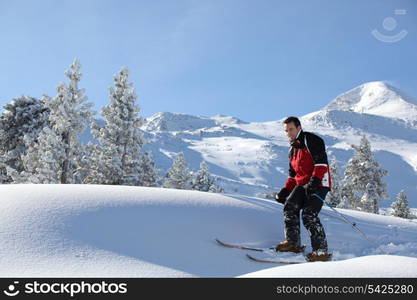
(258, 60)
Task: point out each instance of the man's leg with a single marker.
(292, 209)
(312, 222)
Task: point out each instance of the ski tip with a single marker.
(218, 241)
(223, 244)
(269, 261)
(251, 257)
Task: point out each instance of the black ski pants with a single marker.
(310, 206)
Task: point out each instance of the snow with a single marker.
(369, 266)
(234, 154)
(120, 231)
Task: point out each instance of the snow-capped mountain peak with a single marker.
(227, 120)
(377, 98)
(168, 121)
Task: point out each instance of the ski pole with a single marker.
(353, 224)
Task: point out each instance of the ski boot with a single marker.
(286, 246)
(318, 256)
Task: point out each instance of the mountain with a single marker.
(252, 158)
(167, 121)
(377, 98)
(121, 231)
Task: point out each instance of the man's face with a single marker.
(291, 130)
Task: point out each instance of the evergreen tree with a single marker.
(178, 176)
(349, 200)
(400, 206)
(116, 158)
(345, 203)
(203, 181)
(215, 188)
(23, 116)
(42, 161)
(55, 156)
(361, 170)
(334, 197)
(148, 172)
(369, 200)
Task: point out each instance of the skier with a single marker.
(308, 175)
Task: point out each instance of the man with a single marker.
(308, 177)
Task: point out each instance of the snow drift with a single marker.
(119, 231)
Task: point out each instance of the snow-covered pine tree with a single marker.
(43, 159)
(148, 173)
(215, 188)
(202, 180)
(116, 158)
(55, 157)
(23, 116)
(345, 203)
(350, 199)
(334, 197)
(361, 170)
(400, 206)
(178, 176)
(369, 200)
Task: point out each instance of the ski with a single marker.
(272, 260)
(243, 247)
(288, 257)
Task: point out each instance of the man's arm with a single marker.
(318, 152)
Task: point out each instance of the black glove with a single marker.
(281, 197)
(313, 186)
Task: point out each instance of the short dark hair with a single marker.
(294, 120)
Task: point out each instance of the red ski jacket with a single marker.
(307, 160)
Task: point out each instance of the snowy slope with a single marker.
(118, 231)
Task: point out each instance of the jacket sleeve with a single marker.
(318, 152)
(290, 183)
